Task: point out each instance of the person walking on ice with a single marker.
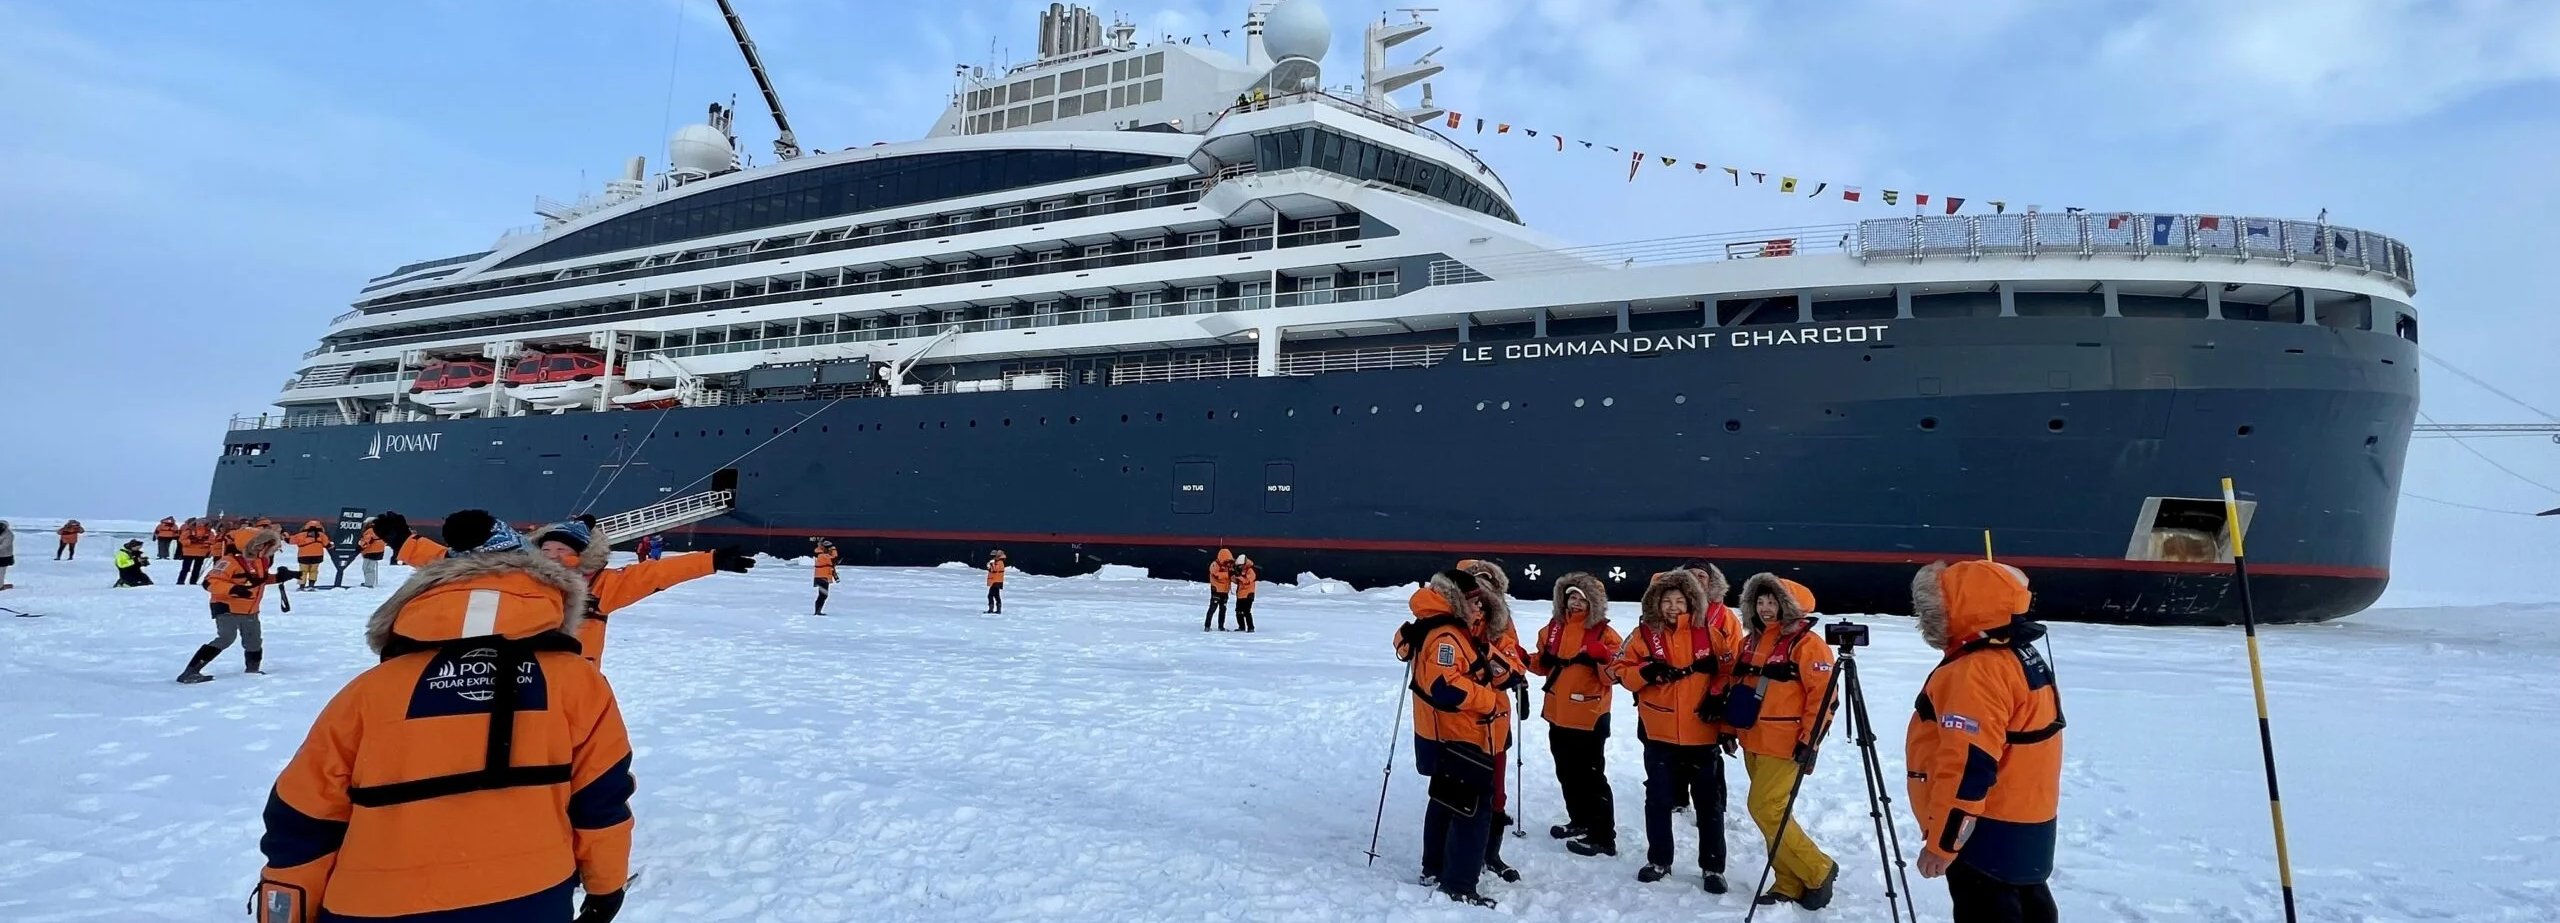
(237, 583)
(995, 583)
(824, 575)
(1222, 577)
(195, 543)
(1246, 577)
(1785, 667)
(165, 536)
(310, 546)
(67, 545)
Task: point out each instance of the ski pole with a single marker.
(1519, 766)
(2258, 684)
(281, 593)
(1379, 823)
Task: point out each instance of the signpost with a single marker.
(343, 551)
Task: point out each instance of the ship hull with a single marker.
(1843, 460)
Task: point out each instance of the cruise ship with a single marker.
(1133, 302)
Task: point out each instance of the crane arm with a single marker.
(785, 145)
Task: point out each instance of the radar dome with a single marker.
(1297, 29)
(699, 149)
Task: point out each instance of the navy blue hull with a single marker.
(1844, 465)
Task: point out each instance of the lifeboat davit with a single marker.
(454, 387)
(557, 381)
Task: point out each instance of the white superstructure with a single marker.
(1119, 212)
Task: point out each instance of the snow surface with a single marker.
(1091, 755)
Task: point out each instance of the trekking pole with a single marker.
(286, 597)
(1379, 823)
(1519, 766)
(1786, 817)
(2258, 684)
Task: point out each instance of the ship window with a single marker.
(1040, 112)
(1155, 65)
(1120, 70)
(2343, 311)
(1070, 106)
(1096, 101)
(2056, 304)
(1017, 117)
(2154, 306)
(1019, 92)
(1071, 80)
(1154, 90)
(1044, 86)
(1097, 75)
(1119, 97)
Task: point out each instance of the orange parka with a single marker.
(238, 577)
(195, 540)
(70, 532)
(995, 570)
(311, 544)
(419, 551)
(1701, 648)
(610, 590)
(1247, 577)
(401, 805)
(1789, 663)
(1456, 678)
(1222, 572)
(167, 529)
(370, 543)
(1574, 654)
(826, 569)
(1984, 749)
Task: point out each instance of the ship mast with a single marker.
(785, 145)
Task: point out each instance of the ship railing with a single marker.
(1766, 243)
(295, 420)
(985, 324)
(664, 515)
(348, 315)
(825, 240)
(1339, 295)
(1185, 370)
(2082, 233)
(1362, 360)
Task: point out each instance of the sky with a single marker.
(190, 190)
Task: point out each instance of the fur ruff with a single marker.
(1765, 584)
(1718, 591)
(1449, 593)
(1929, 604)
(457, 568)
(1681, 581)
(1593, 592)
(1497, 594)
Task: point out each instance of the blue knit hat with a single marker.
(576, 535)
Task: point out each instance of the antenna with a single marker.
(785, 145)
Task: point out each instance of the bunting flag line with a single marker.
(1890, 195)
(1633, 164)
(1787, 184)
(1849, 194)
(1675, 161)
(1956, 202)
(1453, 119)
(1734, 172)
(1505, 128)
(1817, 190)
(1479, 126)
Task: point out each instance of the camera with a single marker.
(1845, 634)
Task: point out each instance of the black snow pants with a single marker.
(995, 598)
(1244, 613)
(1582, 771)
(1980, 898)
(165, 545)
(1217, 610)
(190, 568)
(1672, 773)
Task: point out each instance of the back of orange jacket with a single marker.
(481, 771)
(1222, 573)
(310, 546)
(826, 569)
(610, 590)
(1984, 747)
(168, 528)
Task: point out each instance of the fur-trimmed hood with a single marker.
(1794, 600)
(1967, 600)
(1712, 579)
(527, 595)
(1437, 597)
(1594, 593)
(1497, 594)
(1693, 592)
(264, 543)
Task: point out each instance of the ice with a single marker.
(1092, 755)
(1120, 572)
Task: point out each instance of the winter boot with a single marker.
(1471, 898)
(1653, 873)
(195, 665)
(1428, 880)
(1714, 883)
(1819, 896)
(252, 657)
(1565, 831)
(1587, 846)
(1493, 850)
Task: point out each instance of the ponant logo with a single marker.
(402, 443)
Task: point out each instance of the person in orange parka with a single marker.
(237, 583)
(995, 583)
(1787, 668)
(1679, 664)
(68, 546)
(1222, 575)
(1984, 749)
(1503, 637)
(1248, 579)
(1461, 721)
(164, 537)
(310, 546)
(426, 791)
(371, 547)
(612, 589)
(243, 530)
(195, 543)
(823, 572)
(1574, 651)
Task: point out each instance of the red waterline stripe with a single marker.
(1908, 558)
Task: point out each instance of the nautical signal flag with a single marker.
(1453, 120)
(1850, 194)
(1785, 183)
(1890, 196)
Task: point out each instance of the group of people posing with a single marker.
(1984, 746)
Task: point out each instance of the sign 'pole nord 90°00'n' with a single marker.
(342, 552)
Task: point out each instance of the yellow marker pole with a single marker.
(1986, 545)
(2258, 682)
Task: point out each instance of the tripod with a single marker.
(1847, 637)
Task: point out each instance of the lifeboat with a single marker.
(557, 381)
(454, 387)
(650, 399)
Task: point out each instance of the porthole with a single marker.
(2370, 440)
(723, 432)
(1928, 423)
(1159, 416)
(1506, 405)
(1337, 410)
(1373, 408)
(1608, 402)
(2246, 429)
(1479, 405)
(1417, 408)
(2054, 424)
(1124, 418)
(822, 428)
(1679, 398)
(1213, 414)
(1044, 421)
(1124, 469)
(1293, 411)
(973, 424)
(1073, 419)
(941, 424)
(919, 424)
(1733, 426)
(1577, 402)
(1008, 421)
(1235, 414)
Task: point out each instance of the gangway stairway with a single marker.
(673, 513)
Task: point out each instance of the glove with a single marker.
(1804, 757)
(1513, 679)
(600, 908)
(241, 591)
(725, 558)
(1782, 672)
(392, 529)
(1656, 673)
(284, 575)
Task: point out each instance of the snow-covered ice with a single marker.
(1091, 755)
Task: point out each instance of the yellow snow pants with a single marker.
(1800, 864)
